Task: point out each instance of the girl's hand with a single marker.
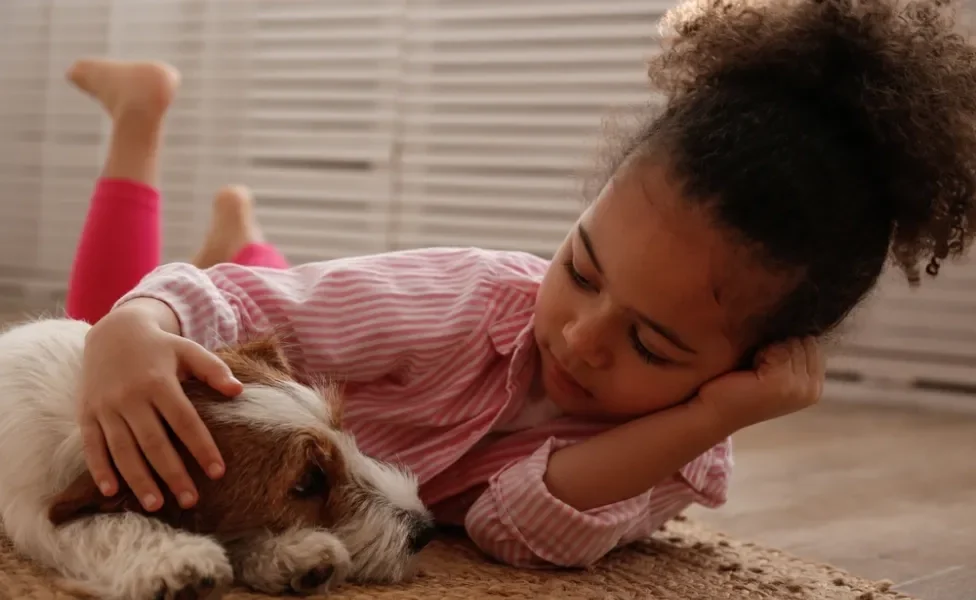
(130, 377)
(786, 378)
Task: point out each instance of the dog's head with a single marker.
(289, 464)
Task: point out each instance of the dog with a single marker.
(299, 509)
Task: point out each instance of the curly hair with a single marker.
(829, 135)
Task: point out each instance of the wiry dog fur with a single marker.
(299, 509)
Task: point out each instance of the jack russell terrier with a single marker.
(299, 509)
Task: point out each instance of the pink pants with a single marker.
(120, 244)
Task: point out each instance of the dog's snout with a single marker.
(421, 535)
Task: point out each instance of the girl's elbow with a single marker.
(518, 555)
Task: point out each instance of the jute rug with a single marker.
(684, 561)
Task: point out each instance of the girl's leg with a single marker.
(234, 234)
(120, 241)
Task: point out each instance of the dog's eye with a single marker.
(313, 483)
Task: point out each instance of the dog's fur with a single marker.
(299, 509)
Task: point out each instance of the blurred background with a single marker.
(373, 125)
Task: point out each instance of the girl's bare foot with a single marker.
(232, 227)
(136, 89)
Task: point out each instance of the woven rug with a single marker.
(684, 561)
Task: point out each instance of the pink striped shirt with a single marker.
(437, 351)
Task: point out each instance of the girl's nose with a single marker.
(586, 338)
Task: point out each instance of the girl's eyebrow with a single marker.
(663, 331)
(588, 244)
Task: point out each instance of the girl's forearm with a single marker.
(632, 458)
(159, 312)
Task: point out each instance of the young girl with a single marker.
(559, 410)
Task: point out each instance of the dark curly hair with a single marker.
(828, 135)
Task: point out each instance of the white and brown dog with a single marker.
(299, 509)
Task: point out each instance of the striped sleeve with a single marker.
(358, 319)
(517, 521)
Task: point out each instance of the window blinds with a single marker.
(380, 125)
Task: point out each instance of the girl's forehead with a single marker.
(666, 254)
(642, 223)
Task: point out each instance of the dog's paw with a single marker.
(317, 561)
(198, 588)
(196, 569)
(318, 579)
(304, 561)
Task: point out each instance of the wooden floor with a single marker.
(885, 494)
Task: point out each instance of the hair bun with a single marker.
(899, 74)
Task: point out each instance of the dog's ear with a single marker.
(269, 352)
(83, 498)
(263, 353)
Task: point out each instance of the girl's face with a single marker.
(639, 307)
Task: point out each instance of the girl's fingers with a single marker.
(190, 429)
(128, 459)
(96, 456)
(156, 446)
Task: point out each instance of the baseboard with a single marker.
(905, 398)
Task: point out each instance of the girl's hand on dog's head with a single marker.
(130, 378)
(786, 378)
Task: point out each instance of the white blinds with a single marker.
(48, 142)
(914, 346)
(24, 29)
(501, 105)
(375, 125)
(319, 123)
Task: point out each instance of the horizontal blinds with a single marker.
(502, 105)
(922, 338)
(371, 126)
(319, 123)
(51, 140)
(24, 33)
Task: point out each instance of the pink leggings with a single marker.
(120, 244)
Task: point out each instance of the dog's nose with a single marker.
(422, 534)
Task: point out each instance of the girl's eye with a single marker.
(645, 354)
(580, 281)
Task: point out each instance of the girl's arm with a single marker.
(518, 520)
(158, 312)
(618, 464)
(589, 497)
(627, 460)
(358, 318)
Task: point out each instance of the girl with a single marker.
(559, 410)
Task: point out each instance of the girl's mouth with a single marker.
(560, 379)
